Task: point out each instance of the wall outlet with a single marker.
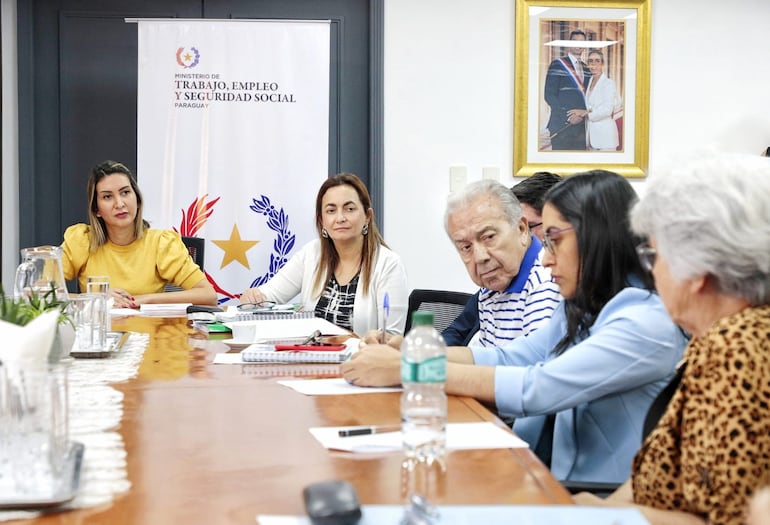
(490, 172)
(458, 178)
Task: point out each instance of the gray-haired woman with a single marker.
(708, 226)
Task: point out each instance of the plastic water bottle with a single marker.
(423, 401)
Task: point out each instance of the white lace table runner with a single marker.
(95, 410)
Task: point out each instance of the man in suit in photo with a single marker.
(565, 88)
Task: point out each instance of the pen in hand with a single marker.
(365, 431)
(385, 314)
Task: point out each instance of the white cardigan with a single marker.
(388, 275)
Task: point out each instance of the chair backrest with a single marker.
(444, 304)
(195, 247)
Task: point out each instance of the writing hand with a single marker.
(375, 337)
(373, 365)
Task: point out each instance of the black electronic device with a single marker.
(196, 308)
(332, 503)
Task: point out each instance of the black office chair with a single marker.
(445, 305)
(195, 246)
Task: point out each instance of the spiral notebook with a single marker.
(291, 369)
(269, 316)
(261, 353)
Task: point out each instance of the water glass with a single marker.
(34, 439)
(87, 312)
(100, 284)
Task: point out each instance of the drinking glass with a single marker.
(100, 284)
(87, 314)
(36, 429)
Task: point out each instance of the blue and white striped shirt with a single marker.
(524, 306)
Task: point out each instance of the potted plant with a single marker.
(21, 310)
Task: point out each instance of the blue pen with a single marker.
(385, 314)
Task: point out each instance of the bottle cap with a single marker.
(421, 318)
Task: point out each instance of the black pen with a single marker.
(363, 431)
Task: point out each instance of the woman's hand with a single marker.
(375, 337)
(252, 295)
(373, 365)
(122, 299)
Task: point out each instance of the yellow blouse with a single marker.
(142, 267)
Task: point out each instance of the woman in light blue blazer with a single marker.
(609, 348)
(580, 386)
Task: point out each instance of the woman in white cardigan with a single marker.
(601, 100)
(344, 275)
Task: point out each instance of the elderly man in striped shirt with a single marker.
(484, 221)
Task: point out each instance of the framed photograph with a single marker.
(582, 86)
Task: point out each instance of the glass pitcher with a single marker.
(40, 271)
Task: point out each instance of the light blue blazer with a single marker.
(600, 388)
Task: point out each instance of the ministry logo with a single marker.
(187, 59)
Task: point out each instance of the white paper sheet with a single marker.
(225, 358)
(124, 312)
(288, 328)
(335, 386)
(459, 436)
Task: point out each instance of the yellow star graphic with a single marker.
(235, 249)
(187, 57)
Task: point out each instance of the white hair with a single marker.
(711, 217)
(509, 204)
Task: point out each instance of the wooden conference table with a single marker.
(218, 444)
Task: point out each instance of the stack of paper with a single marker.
(164, 310)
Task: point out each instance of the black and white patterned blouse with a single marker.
(336, 302)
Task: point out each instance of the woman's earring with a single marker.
(324, 234)
(365, 231)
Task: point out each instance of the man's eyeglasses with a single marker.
(534, 225)
(548, 242)
(256, 307)
(647, 255)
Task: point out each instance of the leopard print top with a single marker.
(711, 448)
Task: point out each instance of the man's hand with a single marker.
(373, 365)
(575, 116)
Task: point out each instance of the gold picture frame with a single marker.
(617, 39)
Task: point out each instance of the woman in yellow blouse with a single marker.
(119, 243)
(708, 225)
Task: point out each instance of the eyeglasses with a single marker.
(548, 241)
(647, 255)
(256, 307)
(595, 61)
(533, 225)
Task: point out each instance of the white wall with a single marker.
(449, 101)
(449, 95)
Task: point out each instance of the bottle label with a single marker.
(431, 370)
